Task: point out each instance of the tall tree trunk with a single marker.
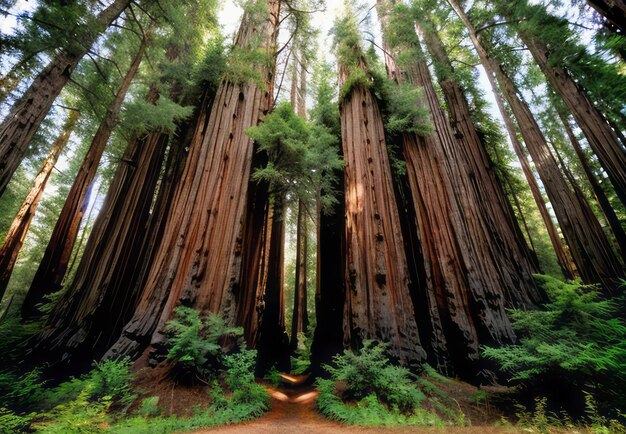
(608, 211)
(273, 342)
(600, 136)
(199, 261)
(378, 304)
(497, 210)
(21, 223)
(103, 293)
(18, 128)
(300, 320)
(589, 246)
(467, 289)
(329, 290)
(51, 271)
(613, 10)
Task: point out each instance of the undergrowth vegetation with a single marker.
(571, 356)
(365, 388)
(104, 399)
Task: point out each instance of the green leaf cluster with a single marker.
(194, 342)
(365, 388)
(578, 337)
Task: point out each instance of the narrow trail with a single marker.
(293, 412)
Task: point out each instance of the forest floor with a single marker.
(293, 412)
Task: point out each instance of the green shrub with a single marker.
(12, 423)
(240, 380)
(19, 392)
(301, 362)
(370, 372)
(194, 341)
(577, 340)
(111, 379)
(273, 376)
(247, 401)
(366, 389)
(149, 407)
(80, 415)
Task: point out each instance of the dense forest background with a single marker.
(357, 192)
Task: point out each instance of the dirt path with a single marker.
(293, 412)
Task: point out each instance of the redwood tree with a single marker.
(589, 246)
(19, 126)
(198, 262)
(21, 223)
(378, 303)
(53, 266)
(537, 30)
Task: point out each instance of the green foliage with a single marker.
(194, 341)
(370, 372)
(577, 338)
(12, 423)
(301, 362)
(240, 380)
(273, 376)
(149, 407)
(80, 415)
(19, 391)
(142, 117)
(366, 389)
(406, 113)
(283, 136)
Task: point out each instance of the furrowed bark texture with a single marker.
(496, 209)
(464, 272)
(592, 253)
(18, 128)
(102, 295)
(49, 276)
(378, 304)
(606, 207)
(21, 223)
(600, 136)
(196, 261)
(563, 259)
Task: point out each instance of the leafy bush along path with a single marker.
(293, 411)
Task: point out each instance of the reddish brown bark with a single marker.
(103, 293)
(608, 211)
(21, 223)
(497, 212)
(600, 136)
(198, 261)
(465, 280)
(18, 128)
(589, 246)
(53, 266)
(378, 304)
(563, 259)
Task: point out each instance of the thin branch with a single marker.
(282, 78)
(67, 108)
(502, 23)
(97, 67)
(106, 59)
